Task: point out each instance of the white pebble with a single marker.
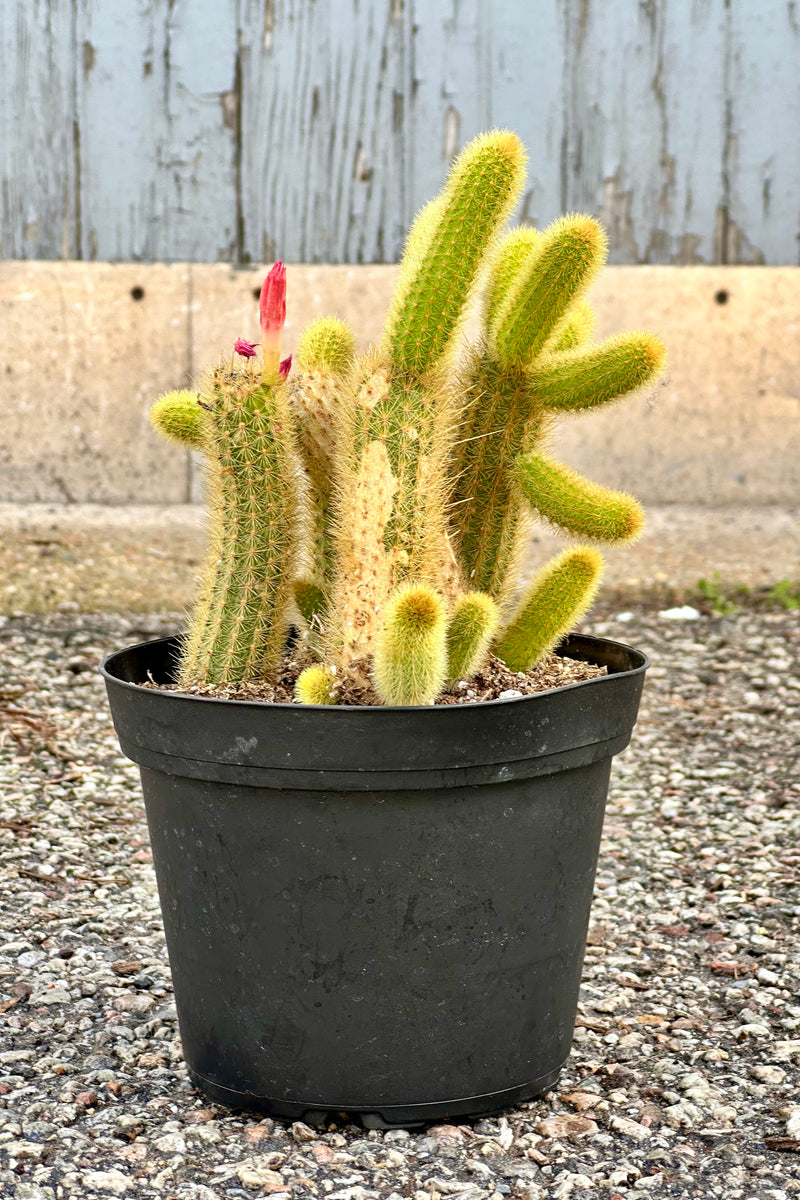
(684, 613)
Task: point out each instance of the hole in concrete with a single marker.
(722, 296)
(256, 293)
(137, 293)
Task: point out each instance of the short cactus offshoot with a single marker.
(382, 502)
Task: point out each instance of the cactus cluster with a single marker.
(381, 502)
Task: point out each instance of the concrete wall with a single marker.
(246, 130)
(85, 347)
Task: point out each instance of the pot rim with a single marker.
(108, 673)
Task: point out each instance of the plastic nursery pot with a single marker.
(379, 911)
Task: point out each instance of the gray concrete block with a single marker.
(81, 360)
(724, 425)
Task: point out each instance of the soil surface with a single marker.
(493, 682)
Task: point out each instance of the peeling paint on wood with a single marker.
(239, 130)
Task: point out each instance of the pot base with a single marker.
(400, 1116)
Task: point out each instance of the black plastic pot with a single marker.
(373, 910)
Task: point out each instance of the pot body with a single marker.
(375, 911)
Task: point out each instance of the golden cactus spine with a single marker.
(551, 605)
(410, 659)
(238, 628)
(325, 360)
(405, 400)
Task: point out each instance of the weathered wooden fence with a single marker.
(239, 130)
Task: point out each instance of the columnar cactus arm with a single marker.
(585, 377)
(576, 505)
(238, 630)
(410, 660)
(575, 329)
(178, 417)
(556, 599)
(403, 410)
(515, 250)
(448, 247)
(544, 280)
(325, 360)
(472, 626)
(489, 517)
(572, 252)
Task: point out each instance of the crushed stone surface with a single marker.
(684, 1080)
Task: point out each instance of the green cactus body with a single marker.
(567, 500)
(238, 630)
(490, 519)
(551, 605)
(325, 361)
(369, 495)
(448, 246)
(315, 685)
(178, 417)
(576, 328)
(514, 253)
(413, 412)
(410, 659)
(571, 253)
(586, 377)
(472, 626)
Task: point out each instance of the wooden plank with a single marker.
(241, 130)
(762, 161)
(325, 95)
(40, 213)
(527, 62)
(157, 112)
(643, 87)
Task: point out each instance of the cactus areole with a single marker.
(382, 908)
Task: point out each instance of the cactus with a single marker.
(325, 359)
(399, 425)
(410, 660)
(472, 626)
(556, 599)
(383, 500)
(178, 417)
(315, 685)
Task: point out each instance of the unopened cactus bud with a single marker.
(272, 317)
(245, 348)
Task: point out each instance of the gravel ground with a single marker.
(684, 1076)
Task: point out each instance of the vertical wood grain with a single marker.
(643, 117)
(157, 113)
(40, 214)
(325, 121)
(243, 130)
(763, 133)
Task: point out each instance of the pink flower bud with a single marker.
(285, 367)
(272, 315)
(245, 348)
